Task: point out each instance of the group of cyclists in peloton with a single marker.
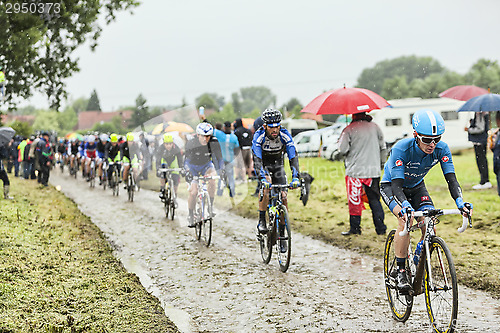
(402, 186)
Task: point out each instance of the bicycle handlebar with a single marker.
(171, 170)
(437, 212)
(205, 177)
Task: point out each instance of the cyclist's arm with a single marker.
(453, 185)
(291, 152)
(216, 155)
(397, 191)
(257, 157)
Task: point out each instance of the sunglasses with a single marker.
(429, 139)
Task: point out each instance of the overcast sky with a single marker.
(170, 49)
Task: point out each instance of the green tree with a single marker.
(141, 113)
(38, 49)
(235, 100)
(256, 97)
(207, 101)
(226, 114)
(486, 74)
(22, 128)
(80, 104)
(67, 119)
(412, 67)
(293, 108)
(46, 120)
(395, 87)
(94, 104)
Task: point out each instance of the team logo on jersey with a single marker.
(445, 159)
(399, 163)
(425, 198)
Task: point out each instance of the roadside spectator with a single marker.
(45, 157)
(478, 135)
(14, 155)
(146, 155)
(2, 82)
(496, 151)
(245, 137)
(4, 153)
(363, 145)
(229, 146)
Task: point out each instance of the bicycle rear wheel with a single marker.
(284, 252)
(116, 184)
(92, 176)
(400, 305)
(441, 288)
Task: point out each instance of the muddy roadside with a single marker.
(226, 287)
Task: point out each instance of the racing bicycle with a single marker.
(434, 275)
(91, 174)
(203, 212)
(279, 234)
(170, 197)
(114, 179)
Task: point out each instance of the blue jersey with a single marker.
(267, 151)
(407, 161)
(228, 142)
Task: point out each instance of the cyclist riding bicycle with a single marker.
(90, 153)
(131, 156)
(270, 142)
(203, 157)
(402, 186)
(101, 152)
(112, 153)
(168, 156)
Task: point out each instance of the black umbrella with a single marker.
(6, 134)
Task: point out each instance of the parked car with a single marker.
(329, 149)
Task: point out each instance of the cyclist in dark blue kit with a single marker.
(270, 142)
(203, 158)
(402, 186)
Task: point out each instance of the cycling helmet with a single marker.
(91, 139)
(114, 137)
(103, 137)
(130, 137)
(204, 129)
(168, 138)
(272, 117)
(428, 122)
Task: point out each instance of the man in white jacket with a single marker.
(362, 143)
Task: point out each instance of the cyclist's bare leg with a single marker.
(265, 199)
(193, 192)
(126, 169)
(211, 183)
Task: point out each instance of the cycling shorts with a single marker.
(418, 196)
(200, 170)
(277, 172)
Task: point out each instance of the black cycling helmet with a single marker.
(272, 117)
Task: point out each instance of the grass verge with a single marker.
(58, 273)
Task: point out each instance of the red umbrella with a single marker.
(346, 101)
(463, 93)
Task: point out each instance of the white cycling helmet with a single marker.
(91, 139)
(104, 137)
(204, 129)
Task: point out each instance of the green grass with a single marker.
(58, 273)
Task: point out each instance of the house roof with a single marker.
(8, 118)
(88, 119)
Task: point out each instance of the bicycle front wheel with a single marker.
(441, 288)
(266, 244)
(284, 240)
(400, 305)
(206, 224)
(130, 187)
(171, 201)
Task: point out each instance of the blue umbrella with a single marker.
(482, 103)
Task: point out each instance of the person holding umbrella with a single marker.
(478, 135)
(363, 145)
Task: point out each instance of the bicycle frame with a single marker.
(430, 216)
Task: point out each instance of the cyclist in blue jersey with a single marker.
(402, 186)
(270, 142)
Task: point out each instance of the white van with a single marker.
(295, 126)
(396, 121)
(310, 143)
